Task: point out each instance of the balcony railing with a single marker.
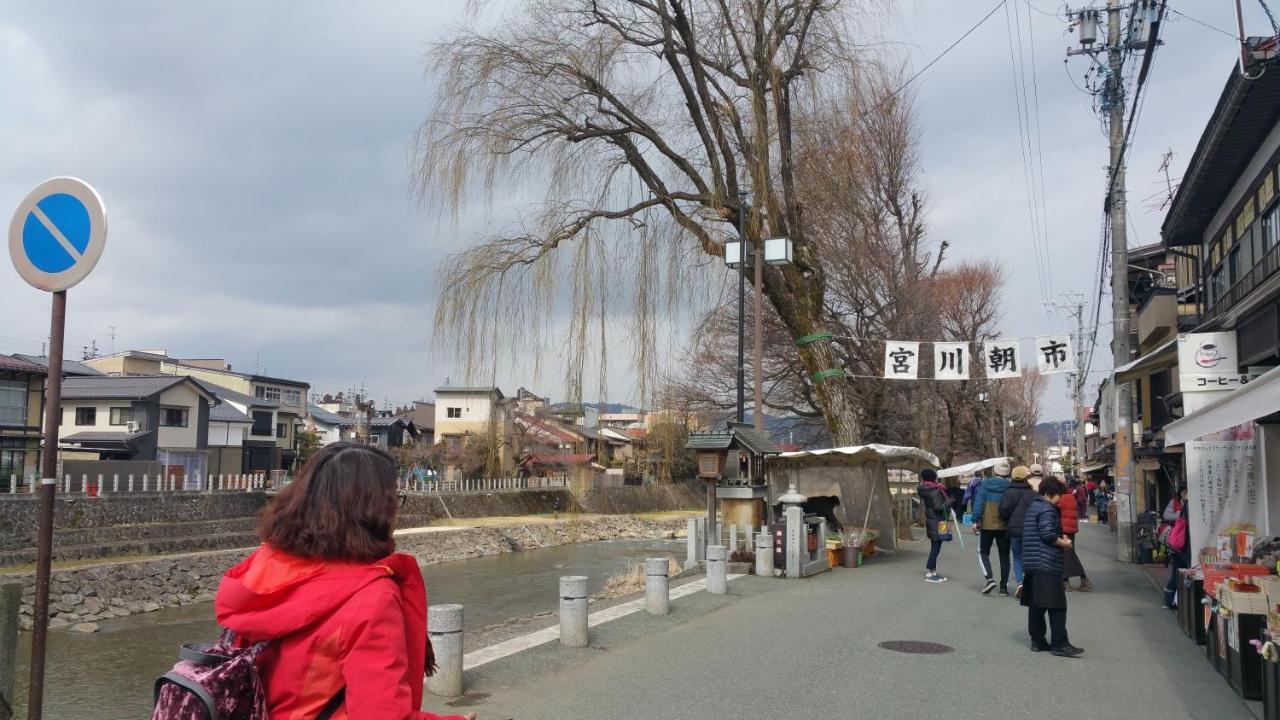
(1258, 274)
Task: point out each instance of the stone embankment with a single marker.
(108, 590)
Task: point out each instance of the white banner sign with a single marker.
(901, 360)
(1002, 359)
(1207, 362)
(1054, 355)
(951, 361)
(1223, 489)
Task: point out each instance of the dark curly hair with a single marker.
(341, 506)
(1052, 486)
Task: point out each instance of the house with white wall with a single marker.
(462, 412)
(154, 418)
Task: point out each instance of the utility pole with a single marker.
(1120, 285)
(1120, 38)
(742, 303)
(757, 307)
(1082, 374)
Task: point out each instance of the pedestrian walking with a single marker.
(990, 527)
(937, 523)
(1013, 508)
(1082, 500)
(343, 615)
(1179, 544)
(1072, 567)
(955, 494)
(1042, 561)
(970, 491)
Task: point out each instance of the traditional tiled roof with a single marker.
(226, 412)
(324, 417)
(754, 440)
(96, 436)
(69, 367)
(9, 363)
(229, 395)
(118, 387)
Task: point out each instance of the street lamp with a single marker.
(777, 251)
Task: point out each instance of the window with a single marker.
(281, 431)
(453, 413)
(1233, 265)
(267, 392)
(291, 397)
(453, 442)
(261, 424)
(1270, 233)
(13, 402)
(121, 415)
(12, 452)
(86, 416)
(173, 417)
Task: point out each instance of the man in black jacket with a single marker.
(1013, 508)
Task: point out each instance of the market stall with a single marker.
(850, 483)
(968, 469)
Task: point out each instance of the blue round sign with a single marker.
(57, 233)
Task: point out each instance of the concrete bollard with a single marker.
(764, 555)
(657, 586)
(444, 628)
(717, 570)
(573, 610)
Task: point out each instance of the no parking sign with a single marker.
(57, 234)
(55, 239)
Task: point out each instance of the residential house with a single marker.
(326, 424)
(258, 445)
(21, 403)
(385, 432)
(286, 399)
(549, 448)
(159, 419)
(463, 412)
(423, 416)
(529, 403)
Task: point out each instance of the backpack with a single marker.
(218, 681)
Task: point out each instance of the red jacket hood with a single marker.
(271, 594)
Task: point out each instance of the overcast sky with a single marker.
(254, 160)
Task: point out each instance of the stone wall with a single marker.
(19, 514)
(647, 498)
(110, 590)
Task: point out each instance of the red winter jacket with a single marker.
(361, 626)
(1070, 514)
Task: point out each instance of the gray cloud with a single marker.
(254, 161)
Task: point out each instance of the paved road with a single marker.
(797, 649)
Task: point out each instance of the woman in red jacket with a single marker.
(1070, 526)
(344, 613)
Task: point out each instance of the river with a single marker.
(108, 675)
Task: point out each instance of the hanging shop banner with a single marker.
(951, 361)
(1054, 355)
(1002, 359)
(1227, 506)
(1208, 362)
(901, 360)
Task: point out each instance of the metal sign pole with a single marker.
(48, 486)
(56, 237)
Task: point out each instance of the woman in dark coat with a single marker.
(1043, 543)
(933, 495)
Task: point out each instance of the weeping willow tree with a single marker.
(631, 132)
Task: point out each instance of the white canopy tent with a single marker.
(1258, 399)
(849, 474)
(971, 468)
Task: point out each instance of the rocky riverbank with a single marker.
(91, 593)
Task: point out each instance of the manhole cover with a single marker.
(916, 647)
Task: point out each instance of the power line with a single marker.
(1204, 24)
(897, 91)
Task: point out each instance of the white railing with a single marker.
(96, 485)
(440, 486)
